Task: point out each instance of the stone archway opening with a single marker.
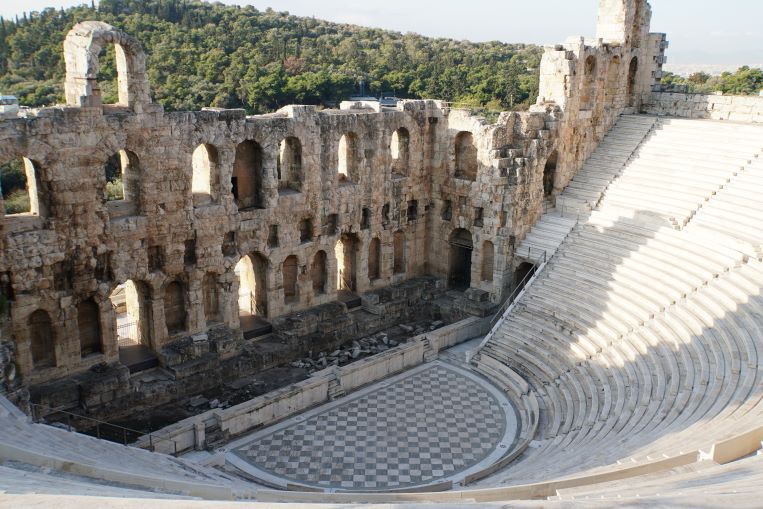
(134, 316)
(460, 260)
(522, 275)
(346, 252)
(549, 174)
(632, 75)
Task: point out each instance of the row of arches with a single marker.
(612, 84)
(122, 172)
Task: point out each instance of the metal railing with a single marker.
(516, 291)
(104, 430)
(127, 334)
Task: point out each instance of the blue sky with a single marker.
(699, 31)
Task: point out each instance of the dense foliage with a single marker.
(203, 54)
(745, 81)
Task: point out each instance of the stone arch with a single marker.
(211, 298)
(134, 314)
(522, 274)
(319, 273)
(82, 46)
(89, 324)
(252, 288)
(588, 90)
(346, 252)
(205, 162)
(400, 152)
(398, 250)
(28, 195)
(488, 261)
(460, 259)
(42, 340)
(175, 308)
(465, 156)
(632, 76)
(290, 273)
(549, 173)
(348, 158)
(123, 176)
(374, 259)
(613, 81)
(246, 182)
(289, 165)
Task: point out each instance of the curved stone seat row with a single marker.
(640, 340)
(59, 450)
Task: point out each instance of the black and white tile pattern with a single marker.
(418, 428)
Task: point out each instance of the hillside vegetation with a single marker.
(203, 54)
(745, 81)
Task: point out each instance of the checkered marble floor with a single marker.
(418, 428)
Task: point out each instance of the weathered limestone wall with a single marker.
(716, 107)
(378, 195)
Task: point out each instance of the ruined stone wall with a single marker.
(716, 107)
(401, 192)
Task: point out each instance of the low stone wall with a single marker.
(270, 408)
(698, 106)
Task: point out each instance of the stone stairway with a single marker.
(585, 190)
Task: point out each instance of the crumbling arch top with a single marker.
(82, 47)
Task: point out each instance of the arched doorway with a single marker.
(134, 317)
(252, 286)
(374, 256)
(89, 323)
(318, 273)
(174, 308)
(460, 260)
(522, 274)
(290, 273)
(632, 73)
(346, 252)
(42, 340)
(549, 174)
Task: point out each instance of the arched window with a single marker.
(290, 175)
(549, 174)
(466, 156)
(246, 182)
(632, 76)
(174, 308)
(211, 298)
(122, 172)
(23, 192)
(398, 248)
(400, 152)
(205, 174)
(290, 272)
(42, 340)
(374, 257)
(589, 84)
(318, 273)
(89, 322)
(488, 256)
(349, 158)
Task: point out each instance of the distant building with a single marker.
(9, 106)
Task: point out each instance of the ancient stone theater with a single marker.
(387, 304)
